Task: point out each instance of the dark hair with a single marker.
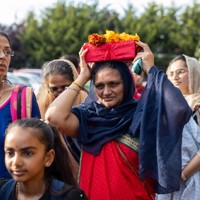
(124, 72)
(74, 59)
(6, 36)
(58, 67)
(48, 135)
(179, 57)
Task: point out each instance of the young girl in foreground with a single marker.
(38, 163)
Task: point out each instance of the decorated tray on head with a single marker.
(111, 46)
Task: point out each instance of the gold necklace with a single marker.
(2, 89)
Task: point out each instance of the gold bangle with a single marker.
(77, 84)
(66, 88)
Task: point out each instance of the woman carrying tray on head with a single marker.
(119, 135)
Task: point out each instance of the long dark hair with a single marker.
(178, 57)
(61, 167)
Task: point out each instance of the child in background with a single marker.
(38, 163)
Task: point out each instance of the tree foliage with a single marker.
(64, 27)
(62, 30)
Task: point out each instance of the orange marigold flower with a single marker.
(111, 36)
(96, 39)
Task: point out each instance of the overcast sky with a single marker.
(15, 10)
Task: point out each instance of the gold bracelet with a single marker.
(77, 84)
(66, 88)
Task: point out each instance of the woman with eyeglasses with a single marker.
(58, 75)
(184, 72)
(9, 101)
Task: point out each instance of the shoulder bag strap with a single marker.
(21, 102)
(26, 102)
(13, 103)
(57, 186)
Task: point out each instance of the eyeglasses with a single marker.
(178, 72)
(8, 52)
(56, 90)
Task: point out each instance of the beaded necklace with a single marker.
(16, 191)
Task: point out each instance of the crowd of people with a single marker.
(128, 137)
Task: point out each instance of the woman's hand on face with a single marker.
(146, 55)
(85, 69)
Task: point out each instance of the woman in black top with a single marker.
(38, 163)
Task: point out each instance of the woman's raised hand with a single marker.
(85, 69)
(146, 55)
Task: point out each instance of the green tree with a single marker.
(189, 34)
(64, 27)
(62, 30)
